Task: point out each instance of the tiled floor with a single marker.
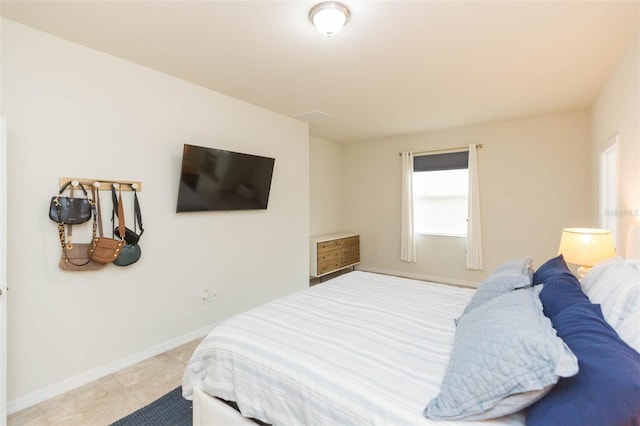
(106, 400)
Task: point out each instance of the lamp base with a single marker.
(582, 271)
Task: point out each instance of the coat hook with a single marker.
(116, 185)
(75, 183)
(134, 185)
(96, 184)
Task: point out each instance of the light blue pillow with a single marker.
(506, 355)
(511, 275)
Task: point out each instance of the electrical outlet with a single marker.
(207, 296)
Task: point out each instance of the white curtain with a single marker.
(408, 241)
(474, 228)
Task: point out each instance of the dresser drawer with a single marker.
(338, 243)
(332, 254)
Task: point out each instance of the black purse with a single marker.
(131, 252)
(131, 237)
(70, 210)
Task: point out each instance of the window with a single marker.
(441, 194)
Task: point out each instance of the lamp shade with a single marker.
(586, 246)
(329, 17)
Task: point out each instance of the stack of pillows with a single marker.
(541, 340)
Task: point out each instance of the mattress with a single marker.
(360, 349)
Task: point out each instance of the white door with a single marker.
(3, 271)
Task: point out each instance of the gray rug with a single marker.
(169, 410)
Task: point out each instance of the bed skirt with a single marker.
(210, 411)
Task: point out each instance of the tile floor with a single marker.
(110, 398)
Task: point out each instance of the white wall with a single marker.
(534, 180)
(73, 111)
(326, 183)
(617, 109)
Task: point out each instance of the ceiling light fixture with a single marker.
(329, 17)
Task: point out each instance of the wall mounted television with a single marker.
(215, 179)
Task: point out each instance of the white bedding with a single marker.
(361, 349)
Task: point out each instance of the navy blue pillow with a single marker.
(559, 292)
(550, 269)
(606, 390)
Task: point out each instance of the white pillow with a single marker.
(629, 330)
(598, 271)
(615, 285)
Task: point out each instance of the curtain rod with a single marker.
(458, 149)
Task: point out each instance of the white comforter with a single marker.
(361, 349)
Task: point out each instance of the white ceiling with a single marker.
(398, 67)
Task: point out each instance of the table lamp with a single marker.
(586, 247)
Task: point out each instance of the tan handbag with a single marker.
(75, 257)
(104, 249)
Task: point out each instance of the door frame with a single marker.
(608, 162)
(3, 271)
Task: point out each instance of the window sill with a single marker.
(432, 234)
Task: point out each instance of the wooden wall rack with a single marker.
(125, 185)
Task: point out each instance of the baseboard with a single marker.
(88, 377)
(422, 277)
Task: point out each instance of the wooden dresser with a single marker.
(330, 253)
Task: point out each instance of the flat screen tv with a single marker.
(216, 179)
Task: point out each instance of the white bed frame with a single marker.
(210, 411)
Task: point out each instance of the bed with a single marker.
(372, 349)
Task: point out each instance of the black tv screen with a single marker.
(216, 179)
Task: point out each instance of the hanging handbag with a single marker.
(75, 257)
(104, 249)
(70, 210)
(131, 237)
(131, 252)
